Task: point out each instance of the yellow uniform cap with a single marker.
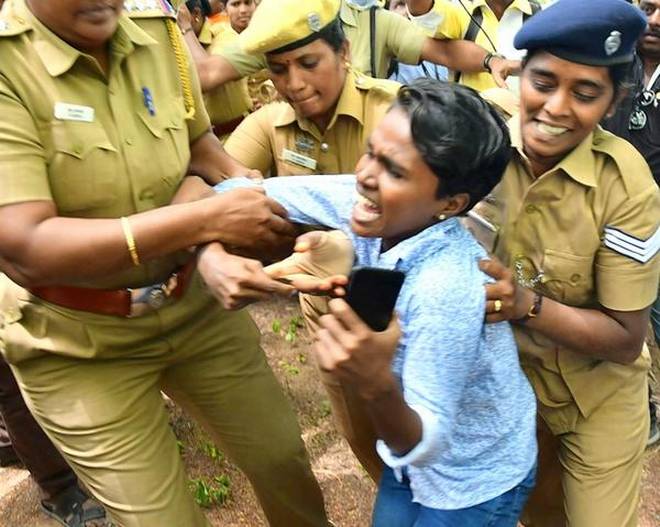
(280, 23)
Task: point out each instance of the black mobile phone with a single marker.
(372, 294)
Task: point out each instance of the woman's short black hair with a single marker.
(460, 136)
(203, 5)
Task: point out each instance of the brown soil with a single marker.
(347, 488)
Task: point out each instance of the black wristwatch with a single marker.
(488, 58)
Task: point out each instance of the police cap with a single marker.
(280, 25)
(591, 32)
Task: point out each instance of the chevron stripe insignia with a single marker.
(639, 250)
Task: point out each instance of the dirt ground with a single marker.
(216, 482)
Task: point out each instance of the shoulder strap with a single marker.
(372, 41)
(476, 18)
(475, 22)
(149, 9)
(11, 24)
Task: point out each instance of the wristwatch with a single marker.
(488, 58)
(534, 310)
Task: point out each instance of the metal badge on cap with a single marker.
(613, 43)
(314, 22)
(637, 119)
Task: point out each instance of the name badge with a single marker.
(298, 159)
(74, 112)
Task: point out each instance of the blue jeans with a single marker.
(394, 507)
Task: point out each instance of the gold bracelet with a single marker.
(130, 241)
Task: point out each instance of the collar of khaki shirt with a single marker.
(59, 57)
(579, 164)
(350, 104)
(520, 5)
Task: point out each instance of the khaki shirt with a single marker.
(274, 139)
(396, 37)
(555, 232)
(231, 100)
(98, 146)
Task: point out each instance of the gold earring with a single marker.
(347, 64)
(441, 217)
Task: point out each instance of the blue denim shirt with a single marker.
(460, 375)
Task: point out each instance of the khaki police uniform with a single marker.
(395, 37)
(231, 101)
(105, 147)
(274, 139)
(576, 235)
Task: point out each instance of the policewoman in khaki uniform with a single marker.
(578, 215)
(330, 110)
(376, 36)
(102, 116)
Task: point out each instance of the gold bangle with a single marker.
(130, 241)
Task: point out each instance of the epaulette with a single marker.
(633, 168)
(11, 26)
(505, 101)
(364, 82)
(149, 9)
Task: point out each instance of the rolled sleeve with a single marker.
(251, 142)
(244, 63)
(22, 156)
(423, 452)
(310, 200)
(404, 39)
(627, 266)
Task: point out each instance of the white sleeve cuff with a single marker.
(428, 21)
(423, 451)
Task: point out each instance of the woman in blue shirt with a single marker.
(453, 413)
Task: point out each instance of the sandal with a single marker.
(73, 508)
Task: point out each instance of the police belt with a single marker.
(126, 303)
(222, 129)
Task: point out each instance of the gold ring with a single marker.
(498, 305)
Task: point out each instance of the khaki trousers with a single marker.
(32, 446)
(591, 476)
(97, 395)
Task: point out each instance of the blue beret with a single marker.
(592, 32)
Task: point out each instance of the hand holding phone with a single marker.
(372, 294)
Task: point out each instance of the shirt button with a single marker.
(129, 141)
(77, 149)
(575, 278)
(325, 147)
(530, 209)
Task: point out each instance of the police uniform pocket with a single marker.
(169, 131)
(568, 277)
(83, 166)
